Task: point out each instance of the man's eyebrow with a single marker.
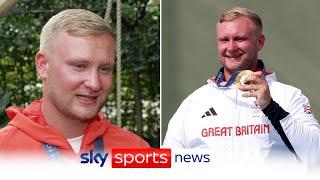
(83, 60)
(77, 60)
(222, 38)
(241, 36)
(111, 63)
(233, 37)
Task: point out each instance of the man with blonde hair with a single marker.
(75, 62)
(244, 114)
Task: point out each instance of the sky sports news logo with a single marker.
(143, 158)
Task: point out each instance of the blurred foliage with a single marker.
(4, 102)
(19, 42)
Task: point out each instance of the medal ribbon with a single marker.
(220, 75)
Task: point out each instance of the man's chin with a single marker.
(233, 67)
(85, 119)
(85, 115)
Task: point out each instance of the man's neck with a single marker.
(227, 75)
(70, 128)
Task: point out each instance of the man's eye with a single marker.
(105, 69)
(79, 67)
(241, 39)
(223, 40)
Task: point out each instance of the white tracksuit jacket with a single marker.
(236, 130)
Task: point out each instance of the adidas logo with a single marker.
(211, 112)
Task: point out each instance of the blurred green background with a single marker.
(189, 57)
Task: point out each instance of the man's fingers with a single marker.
(250, 94)
(253, 79)
(250, 87)
(258, 73)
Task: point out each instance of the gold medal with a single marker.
(241, 77)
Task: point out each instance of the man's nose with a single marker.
(232, 45)
(93, 81)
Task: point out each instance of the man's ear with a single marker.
(261, 41)
(42, 65)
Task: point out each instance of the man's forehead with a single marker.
(240, 19)
(241, 24)
(61, 37)
(65, 33)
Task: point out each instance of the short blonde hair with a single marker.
(237, 12)
(76, 22)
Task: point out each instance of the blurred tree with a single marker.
(20, 32)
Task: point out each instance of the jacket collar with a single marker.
(32, 122)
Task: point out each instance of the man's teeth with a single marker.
(235, 56)
(87, 97)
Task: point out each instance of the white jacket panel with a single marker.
(237, 130)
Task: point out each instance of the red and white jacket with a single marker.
(28, 132)
(234, 129)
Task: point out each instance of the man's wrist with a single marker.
(274, 111)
